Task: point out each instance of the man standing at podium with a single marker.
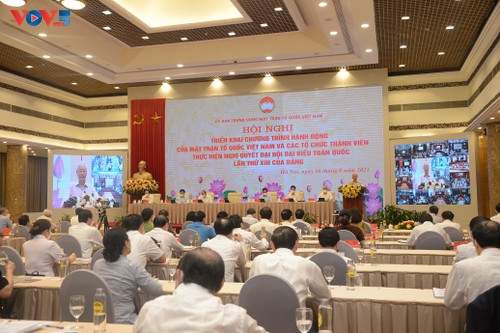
(355, 180)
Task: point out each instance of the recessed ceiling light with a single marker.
(322, 4)
(343, 70)
(29, 67)
(46, 56)
(263, 25)
(298, 68)
(74, 83)
(479, 127)
(368, 50)
(365, 25)
(45, 148)
(106, 28)
(403, 46)
(145, 37)
(88, 56)
(217, 80)
(333, 33)
(278, 9)
(267, 75)
(402, 65)
(5, 142)
(167, 77)
(184, 39)
(405, 18)
(42, 34)
(441, 53)
(180, 65)
(106, 12)
(492, 118)
(269, 58)
(450, 27)
(116, 87)
(231, 33)
(90, 74)
(231, 73)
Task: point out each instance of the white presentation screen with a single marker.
(309, 139)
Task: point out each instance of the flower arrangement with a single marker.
(352, 191)
(405, 225)
(139, 186)
(89, 201)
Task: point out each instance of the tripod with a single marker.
(103, 219)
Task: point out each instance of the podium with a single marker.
(350, 203)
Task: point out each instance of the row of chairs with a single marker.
(22, 231)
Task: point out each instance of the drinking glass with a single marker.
(360, 252)
(329, 273)
(4, 258)
(63, 267)
(303, 319)
(171, 271)
(191, 240)
(76, 307)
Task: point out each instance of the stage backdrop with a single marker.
(308, 139)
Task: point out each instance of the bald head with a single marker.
(204, 267)
(223, 227)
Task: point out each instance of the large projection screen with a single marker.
(309, 139)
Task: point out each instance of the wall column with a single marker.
(17, 162)
(493, 141)
(482, 177)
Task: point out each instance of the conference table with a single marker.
(364, 310)
(15, 242)
(308, 244)
(177, 212)
(55, 327)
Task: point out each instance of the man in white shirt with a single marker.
(86, 235)
(265, 213)
(168, 243)
(182, 197)
(80, 188)
(433, 211)
(426, 225)
(230, 247)
(448, 220)
(74, 219)
(329, 241)
(304, 275)
(249, 238)
(266, 197)
(293, 194)
(250, 218)
(472, 277)
(299, 216)
(325, 194)
(193, 307)
(496, 218)
(466, 251)
(144, 248)
(286, 216)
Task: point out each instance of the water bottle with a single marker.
(325, 317)
(99, 311)
(373, 251)
(351, 275)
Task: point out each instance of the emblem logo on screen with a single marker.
(266, 105)
(49, 17)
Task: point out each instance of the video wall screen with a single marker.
(433, 173)
(87, 181)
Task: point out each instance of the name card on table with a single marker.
(456, 244)
(354, 243)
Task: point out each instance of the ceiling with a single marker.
(300, 35)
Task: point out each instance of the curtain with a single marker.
(3, 175)
(36, 184)
(147, 137)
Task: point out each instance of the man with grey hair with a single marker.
(47, 215)
(80, 188)
(5, 221)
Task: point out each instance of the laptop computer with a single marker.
(262, 200)
(321, 199)
(226, 200)
(200, 201)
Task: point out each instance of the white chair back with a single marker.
(368, 226)
(430, 240)
(185, 224)
(303, 226)
(186, 235)
(455, 234)
(348, 250)
(327, 258)
(96, 256)
(70, 244)
(259, 235)
(21, 231)
(84, 282)
(15, 257)
(271, 301)
(346, 234)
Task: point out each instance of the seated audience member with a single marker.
(357, 220)
(426, 224)
(466, 251)
(164, 212)
(74, 219)
(7, 282)
(143, 247)
(86, 235)
(304, 275)
(248, 237)
(230, 247)
(470, 278)
(250, 218)
(123, 277)
(47, 215)
(182, 197)
(24, 220)
(265, 213)
(325, 194)
(190, 217)
(148, 198)
(40, 252)
(194, 306)
(204, 231)
(345, 224)
(293, 194)
(147, 218)
(433, 211)
(5, 221)
(329, 240)
(286, 216)
(448, 220)
(496, 218)
(205, 197)
(160, 235)
(265, 196)
(220, 215)
(299, 217)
